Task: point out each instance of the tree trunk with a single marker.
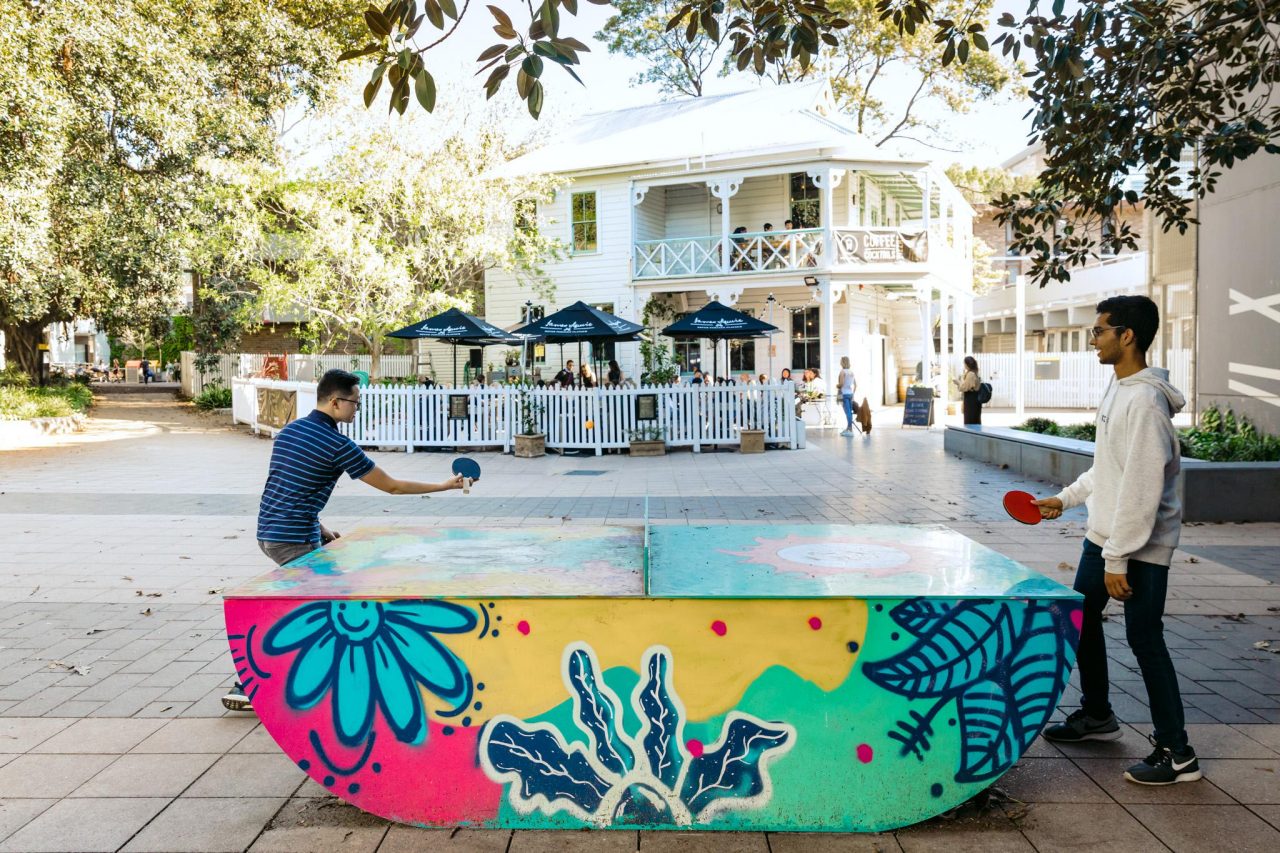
(21, 347)
(375, 359)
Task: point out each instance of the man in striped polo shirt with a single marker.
(308, 457)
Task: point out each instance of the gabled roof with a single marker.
(775, 119)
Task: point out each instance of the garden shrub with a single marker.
(1044, 426)
(213, 397)
(1223, 436)
(19, 403)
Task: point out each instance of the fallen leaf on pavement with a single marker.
(69, 667)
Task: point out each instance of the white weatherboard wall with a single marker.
(594, 277)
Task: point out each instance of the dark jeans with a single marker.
(1144, 630)
(286, 552)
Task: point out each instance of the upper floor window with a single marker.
(584, 222)
(806, 202)
(526, 218)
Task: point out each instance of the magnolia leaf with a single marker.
(357, 52)
(424, 88)
(535, 100)
(377, 22)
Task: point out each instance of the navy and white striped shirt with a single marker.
(308, 457)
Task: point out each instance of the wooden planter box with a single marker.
(752, 441)
(649, 448)
(531, 446)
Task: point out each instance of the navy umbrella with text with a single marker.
(582, 322)
(457, 327)
(718, 322)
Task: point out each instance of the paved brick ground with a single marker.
(112, 659)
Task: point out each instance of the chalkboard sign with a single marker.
(646, 407)
(459, 407)
(918, 410)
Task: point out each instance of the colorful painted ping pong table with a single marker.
(736, 677)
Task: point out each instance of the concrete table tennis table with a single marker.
(736, 677)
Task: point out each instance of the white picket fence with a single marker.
(1080, 384)
(597, 419)
(243, 365)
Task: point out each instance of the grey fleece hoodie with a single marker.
(1131, 490)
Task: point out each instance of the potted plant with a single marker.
(649, 440)
(530, 440)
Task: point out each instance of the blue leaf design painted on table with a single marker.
(597, 712)
(544, 773)
(918, 616)
(538, 760)
(661, 732)
(964, 646)
(999, 718)
(988, 734)
(733, 772)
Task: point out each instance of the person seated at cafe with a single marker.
(615, 374)
(762, 379)
(565, 377)
(739, 257)
(788, 225)
(587, 376)
(697, 378)
(744, 379)
(785, 376)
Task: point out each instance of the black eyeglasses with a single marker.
(1097, 331)
(355, 403)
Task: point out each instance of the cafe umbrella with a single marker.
(457, 327)
(718, 322)
(581, 322)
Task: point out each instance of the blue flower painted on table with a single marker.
(653, 777)
(371, 655)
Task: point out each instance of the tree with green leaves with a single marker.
(865, 62)
(385, 233)
(531, 40)
(676, 65)
(1172, 92)
(113, 123)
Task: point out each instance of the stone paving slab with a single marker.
(113, 660)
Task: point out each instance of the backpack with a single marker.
(984, 393)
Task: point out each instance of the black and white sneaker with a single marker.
(1165, 767)
(236, 700)
(1079, 726)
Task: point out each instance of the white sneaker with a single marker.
(847, 432)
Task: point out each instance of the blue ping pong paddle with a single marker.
(470, 471)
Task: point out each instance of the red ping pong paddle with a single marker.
(1020, 507)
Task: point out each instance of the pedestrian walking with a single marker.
(1135, 519)
(971, 386)
(848, 386)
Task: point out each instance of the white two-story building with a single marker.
(770, 202)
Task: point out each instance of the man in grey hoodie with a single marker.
(1135, 518)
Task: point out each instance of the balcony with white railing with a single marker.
(768, 251)
(882, 222)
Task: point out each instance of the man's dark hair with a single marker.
(1137, 313)
(335, 382)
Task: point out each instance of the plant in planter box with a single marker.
(648, 440)
(530, 441)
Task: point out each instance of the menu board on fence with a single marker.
(459, 407)
(918, 410)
